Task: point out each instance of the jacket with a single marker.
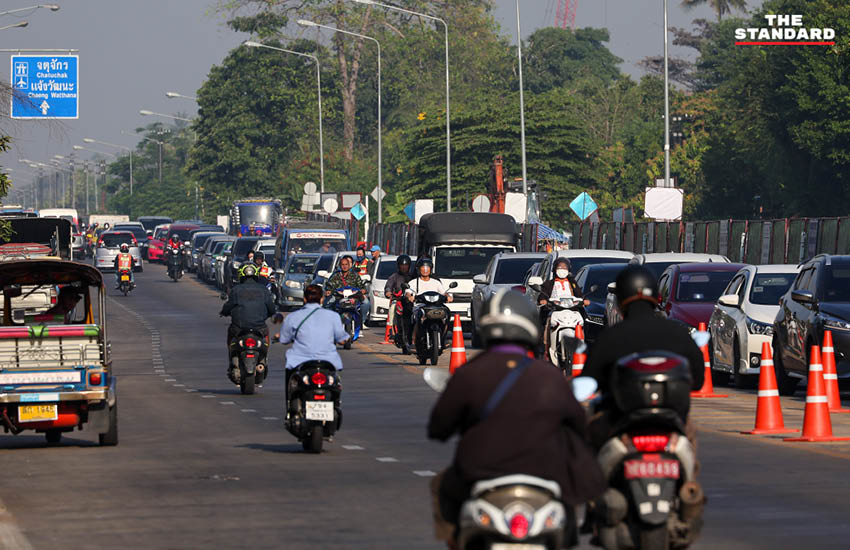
(362, 266)
(642, 330)
(547, 287)
(538, 428)
(249, 305)
(396, 282)
(337, 280)
(132, 262)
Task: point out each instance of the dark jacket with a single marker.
(547, 287)
(396, 282)
(642, 330)
(249, 305)
(537, 429)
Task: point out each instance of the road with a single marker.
(200, 465)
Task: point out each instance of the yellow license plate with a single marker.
(37, 413)
(125, 277)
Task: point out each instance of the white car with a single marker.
(742, 321)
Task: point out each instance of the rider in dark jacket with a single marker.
(396, 284)
(248, 306)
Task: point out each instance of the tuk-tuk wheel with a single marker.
(53, 436)
(110, 438)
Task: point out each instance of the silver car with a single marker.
(108, 247)
(292, 279)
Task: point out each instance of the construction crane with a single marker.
(566, 14)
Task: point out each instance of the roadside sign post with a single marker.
(45, 86)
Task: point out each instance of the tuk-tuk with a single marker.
(55, 366)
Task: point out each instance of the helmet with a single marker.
(259, 257)
(404, 259)
(125, 247)
(559, 262)
(508, 316)
(634, 283)
(247, 270)
(424, 261)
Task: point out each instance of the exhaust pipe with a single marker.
(692, 501)
(261, 368)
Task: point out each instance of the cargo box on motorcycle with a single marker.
(659, 380)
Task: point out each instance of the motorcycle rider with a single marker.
(425, 283)
(641, 330)
(535, 426)
(395, 286)
(124, 261)
(346, 276)
(561, 285)
(248, 306)
(361, 266)
(263, 269)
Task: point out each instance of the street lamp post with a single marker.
(305, 23)
(96, 198)
(253, 44)
(448, 104)
(176, 95)
(18, 25)
(145, 112)
(51, 7)
(522, 104)
(158, 142)
(666, 106)
(129, 150)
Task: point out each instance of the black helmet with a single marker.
(424, 261)
(559, 262)
(635, 282)
(404, 259)
(259, 257)
(508, 316)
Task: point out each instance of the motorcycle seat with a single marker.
(316, 364)
(487, 485)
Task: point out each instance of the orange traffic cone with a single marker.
(458, 356)
(830, 375)
(768, 406)
(579, 358)
(816, 423)
(707, 389)
(389, 327)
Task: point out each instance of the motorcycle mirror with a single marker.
(453, 284)
(701, 338)
(436, 378)
(593, 289)
(223, 296)
(366, 278)
(535, 288)
(584, 387)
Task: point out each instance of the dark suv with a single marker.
(818, 300)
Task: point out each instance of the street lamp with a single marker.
(51, 7)
(522, 106)
(158, 142)
(20, 24)
(112, 155)
(145, 112)
(448, 110)
(666, 107)
(253, 44)
(129, 150)
(175, 95)
(306, 23)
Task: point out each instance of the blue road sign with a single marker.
(410, 210)
(358, 211)
(583, 206)
(45, 86)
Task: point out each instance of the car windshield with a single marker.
(328, 243)
(463, 262)
(324, 263)
(219, 247)
(385, 269)
(150, 223)
(657, 268)
(268, 252)
(182, 234)
(702, 286)
(600, 277)
(200, 240)
(243, 246)
(511, 271)
(767, 289)
(160, 233)
(259, 213)
(578, 263)
(114, 240)
(138, 232)
(836, 283)
(301, 264)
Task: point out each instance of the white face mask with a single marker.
(562, 273)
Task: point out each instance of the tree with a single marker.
(720, 7)
(556, 57)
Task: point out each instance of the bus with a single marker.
(256, 216)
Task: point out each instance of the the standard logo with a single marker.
(784, 30)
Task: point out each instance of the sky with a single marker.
(133, 51)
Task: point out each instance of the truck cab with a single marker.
(461, 246)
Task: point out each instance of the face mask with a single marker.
(562, 273)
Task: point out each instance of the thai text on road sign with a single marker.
(45, 86)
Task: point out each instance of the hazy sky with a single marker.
(133, 51)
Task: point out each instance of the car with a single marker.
(818, 300)
(156, 243)
(197, 242)
(108, 246)
(579, 257)
(292, 279)
(505, 270)
(689, 291)
(267, 247)
(238, 255)
(213, 246)
(593, 279)
(183, 232)
(138, 231)
(150, 223)
(742, 321)
(220, 263)
(78, 245)
(324, 263)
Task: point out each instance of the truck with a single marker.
(111, 219)
(256, 216)
(461, 245)
(302, 237)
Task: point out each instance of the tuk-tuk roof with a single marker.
(47, 271)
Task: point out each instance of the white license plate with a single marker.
(511, 546)
(320, 410)
(637, 469)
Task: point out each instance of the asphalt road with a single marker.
(199, 465)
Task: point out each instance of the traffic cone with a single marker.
(389, 328)
(579, 358)
(707, 389)
(458, 356)
(816, 423)
(830, 375)
(768, 406)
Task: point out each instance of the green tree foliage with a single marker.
(554, 57)
(720, 7)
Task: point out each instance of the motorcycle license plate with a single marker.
(663, 468)
(125, 277)
(37, 413)
(319, 410)
(511, 546)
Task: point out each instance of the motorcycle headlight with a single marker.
(757, 327)
(833, 323)
(292, 284)
(377, 293)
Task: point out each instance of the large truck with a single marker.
(256, 216)
(461, 245)
(111, 219)
(302, 237)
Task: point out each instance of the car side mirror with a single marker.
(453, 284)
(803, 297)
(535, 282)
(150, 233)
(612, 288)
(731, 300)
(480, 279)
(324, 274)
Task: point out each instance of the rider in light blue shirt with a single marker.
(313, 332)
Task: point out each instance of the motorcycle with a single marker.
(514, 511)
(561, 330)
(313, 406)
(431, 326)
(175, 262)
(248, 352)
(124, 284)
(400, 328)
(346, 303)
(653, 500)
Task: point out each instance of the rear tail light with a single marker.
(519, 526)
(95, 379)
(519, 288)
(250, 342)
(650, 443)
(319, 397)
(319, 379)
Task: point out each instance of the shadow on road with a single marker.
(293, 448)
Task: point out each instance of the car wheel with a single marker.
(785, 384)
(717, 376)
(473, 329)
(741, 381)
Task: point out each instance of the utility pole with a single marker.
(73, 180)
(86, 172)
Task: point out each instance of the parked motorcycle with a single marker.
(431, 326)
(124, 281)
(561, 330)
(313, 404)
(248, 352)
(653, 500)
(174, 264)
(346, 303)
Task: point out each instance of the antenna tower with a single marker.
(566, 14)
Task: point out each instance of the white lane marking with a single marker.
(10, 535)
(270, 418)
(353, 447)
(424, 473)
(386, 459)
(226, 403)
(179, 385)
(207, 396)
(249, 410)
(170, 380)
(190, 390)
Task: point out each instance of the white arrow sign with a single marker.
(44, 107)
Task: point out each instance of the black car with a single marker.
(818, 300)
(324, 263)
(238, 256)
(593, 280)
